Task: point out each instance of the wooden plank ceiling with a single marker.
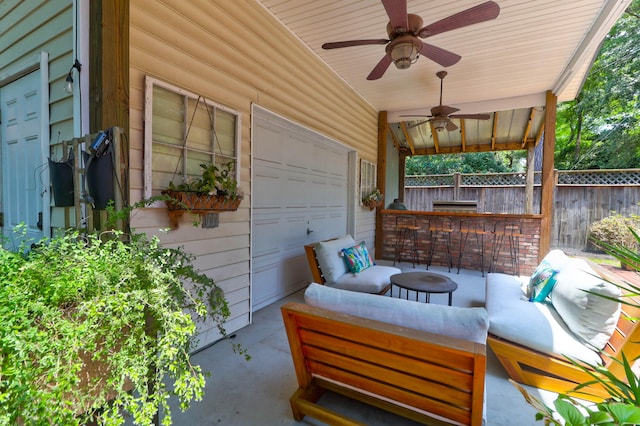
(508, 64)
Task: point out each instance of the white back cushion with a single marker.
(329, 254)
(591, 317)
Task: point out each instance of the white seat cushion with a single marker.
(462, 323)
(534, 325)
(371, 280)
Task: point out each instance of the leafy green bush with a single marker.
(615, 230)
(123, 308)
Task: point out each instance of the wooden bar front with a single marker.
(529, 242)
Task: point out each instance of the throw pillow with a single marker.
(357, 258)
(589, 316)
(329, 255)
(542, 282)
(555, 260)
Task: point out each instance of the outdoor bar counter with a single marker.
(529, 226)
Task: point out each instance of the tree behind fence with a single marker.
(581, 197)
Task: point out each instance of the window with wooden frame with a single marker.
(368, 178)
(182, 131)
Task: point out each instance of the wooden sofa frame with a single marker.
(557, 374)
(316, 272)
(425, 377)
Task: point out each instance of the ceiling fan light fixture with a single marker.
(440, 123)
(404, 54)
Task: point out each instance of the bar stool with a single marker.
(440, 230)
(477, 230)
(511, 231)
(406, 232)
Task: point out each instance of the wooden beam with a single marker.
(528, 193)
(407, 137)
(548, 175)
(525, 135)
(463, 135)
(434, 134)
(109, 63)
(494, 131)
(505, 146)
(383, 131)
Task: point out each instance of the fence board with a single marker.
(589, 196)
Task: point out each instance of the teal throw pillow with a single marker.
(542, 282)
(357, 258)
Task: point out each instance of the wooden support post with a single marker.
(382, 174)
(528, 193)
(548, 176)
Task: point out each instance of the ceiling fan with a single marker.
(405, 31)
(441, 115)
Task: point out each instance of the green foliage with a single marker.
(214, 180)
(599, 129)
(484, 162)
(615, 230)
(125, 303)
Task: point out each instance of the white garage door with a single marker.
(300, 195)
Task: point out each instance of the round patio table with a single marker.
(424, 282)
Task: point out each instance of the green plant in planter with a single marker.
(214, 180)
(622, 407)
(96, 326)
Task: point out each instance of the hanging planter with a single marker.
(198, 203)
(372, 204)
(373, 200)
(215, 192)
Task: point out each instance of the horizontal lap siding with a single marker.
(236, 54)
(26, 29)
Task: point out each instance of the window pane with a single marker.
(199, 119)
(167, 120)
(225, 134)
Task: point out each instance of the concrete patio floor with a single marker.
(257, 392)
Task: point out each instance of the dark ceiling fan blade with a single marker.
(419, 123)
(480, 13)
(472, 116)
(451, 126)
(416, 115)
(379, 70)
(397, 11)
(339, 44)
(438, 55)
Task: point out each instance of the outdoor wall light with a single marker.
(68, 85)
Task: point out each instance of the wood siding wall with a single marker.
(26, 29)
(235, 53)
(575, 207)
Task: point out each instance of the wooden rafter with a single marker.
(463, 135)
(436, 141)
(505, 146)
(494, 131)
(528, 127)
(407, 136)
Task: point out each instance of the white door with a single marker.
(24, 187)
(300, 195)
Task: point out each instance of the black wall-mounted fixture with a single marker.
(68, 86)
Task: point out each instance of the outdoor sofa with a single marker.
(423, 361)
(537, 324)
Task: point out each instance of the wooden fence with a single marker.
(581, 197)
